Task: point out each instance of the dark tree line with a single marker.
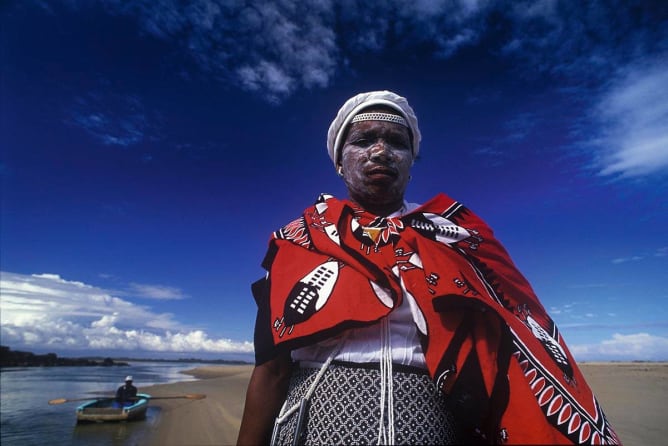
(10, 358)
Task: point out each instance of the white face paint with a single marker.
(376, 159)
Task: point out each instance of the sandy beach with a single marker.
(212, 421)
(631, 395)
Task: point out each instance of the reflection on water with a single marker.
(27, 419)
(116, 434)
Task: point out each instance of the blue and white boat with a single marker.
(105, 409)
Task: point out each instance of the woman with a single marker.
(382, 321)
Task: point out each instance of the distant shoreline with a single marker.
(189, 361)
(18, 358)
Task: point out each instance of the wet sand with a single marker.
(631, 395)
(214, 420)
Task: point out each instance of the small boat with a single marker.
(104, 409)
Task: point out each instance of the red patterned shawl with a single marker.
(488, 342)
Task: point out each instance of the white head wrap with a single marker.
(364, 100)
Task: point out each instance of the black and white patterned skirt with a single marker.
(345, 408)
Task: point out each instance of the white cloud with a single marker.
(633, 115)
(46, 311)
(631, 347)
(158, 292)
(658, 252)
(581, 41)
(271, 47)
(112, 119)
(278, 48)
(627, 259)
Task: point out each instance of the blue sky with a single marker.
(149, 148)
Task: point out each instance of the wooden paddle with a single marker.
(69, 400)
(190, 396)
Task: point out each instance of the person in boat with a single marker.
(126, 395)
(389, 322)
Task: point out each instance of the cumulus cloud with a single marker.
(46, 311)
(630, 347)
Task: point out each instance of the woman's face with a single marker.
(376, 158)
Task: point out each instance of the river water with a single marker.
(26, 418)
